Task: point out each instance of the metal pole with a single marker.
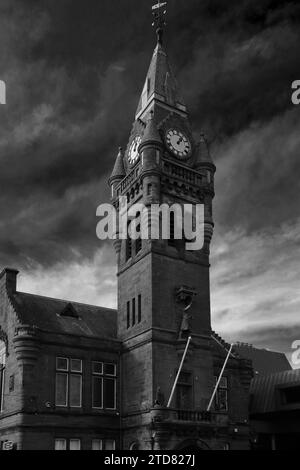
(179, 370)
(219, 379)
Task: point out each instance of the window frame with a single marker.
(139, 309)
(104, 375)
(221, 388)
(103, 442)
(61, 439)
(128, 314)
(133, 311)
(67, 441)
(188, 385)
(69, 373)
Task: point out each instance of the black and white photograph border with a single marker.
(150, 226)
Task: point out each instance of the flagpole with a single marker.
(179, 371)
(219, 379)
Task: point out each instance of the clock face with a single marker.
(178, 143)
(133, 153)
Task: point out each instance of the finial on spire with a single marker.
(159, 11)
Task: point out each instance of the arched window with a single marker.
(2, 371)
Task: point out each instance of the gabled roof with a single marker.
(160, 84)
(50, 315)
(264, 361)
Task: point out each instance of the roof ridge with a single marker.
(64, 300)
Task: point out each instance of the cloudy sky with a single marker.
(74, 70)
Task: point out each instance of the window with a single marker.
(139, 308)
(60, 444)
(11, 385)
(103, 444)
(185, 391)
(128, 315)
(171, 240)
(75, 444)
(133, 312)
(291, 395)
(67, 444)
(104, 385)
(128, 244)
(2, 372)
(68, 382)
(221, 397)
(138, 241)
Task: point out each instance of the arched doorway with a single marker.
(192, 446)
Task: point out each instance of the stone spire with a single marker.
(160, 86)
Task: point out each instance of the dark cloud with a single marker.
(74, 71)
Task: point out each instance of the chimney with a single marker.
(8, 280)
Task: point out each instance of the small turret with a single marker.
(203, 156)
(151, 135)
(118, 172)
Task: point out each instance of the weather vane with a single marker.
(159, 11)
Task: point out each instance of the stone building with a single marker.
(75, 376)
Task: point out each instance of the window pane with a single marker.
(76, 365)
(223, 382)
(184, 397)
(128, 315)
(60, 444)
(185, 378)
(139, 308)
(97, 444)
(97, 392)
(75, 444)
(109, 386)
(109, 369)
(62, 363)
(110, 444)
(2, 353)
(75, 390)
(97, 368)
(292, 395)
(222, 400)
(61, 389)
(133, 312)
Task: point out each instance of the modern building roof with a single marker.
(265, 391)
(61, 316)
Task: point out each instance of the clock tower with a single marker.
(163, 288)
